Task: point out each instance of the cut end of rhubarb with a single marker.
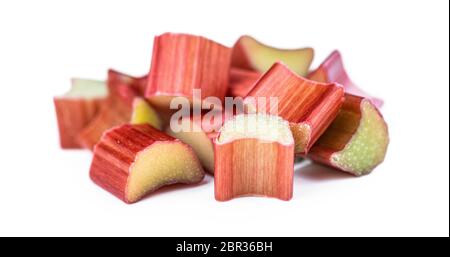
(368, 146)
(131, 161)
(143, 113)
(257, 126)
(248, 53)
(302, 135)
(200, 142)
(75, 109)
(254, 156)
(357, 140)
(162, 164)
(87, 89)
(199, 131)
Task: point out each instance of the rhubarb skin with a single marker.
(254, 164)
(77, 108)
(109, 116)
(116, 111)
(124, 105)
(357, 140)
(132, 161)
(333, 70)
(309, 106)
(124, 87)
(248, 53)
(183, 62)
(242, 82)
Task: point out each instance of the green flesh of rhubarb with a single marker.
(367, 148)
(87, 89)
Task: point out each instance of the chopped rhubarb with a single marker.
(108, 117)
(248, 53)
(254, 156)
(117, 114)
(124, 87)
(200, 133)
(123, 106)
(309, 106)
(181, 63)
(77, 108)
(244, 114)
(332, 70)
(132, 161)
(242, 82)
(357, 140)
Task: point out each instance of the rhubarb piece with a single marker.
(248, 53)
(77, 108)
(242, 82)
(143, 113)
(254, 156)
(356, 142)
(124, 105)
(132, 161)
(332, 70)
(199, 134)
(309, 106)
(201, 143)
(109, 117)
(181, 63)
(125, 88)
(141, 85)
(118, 113)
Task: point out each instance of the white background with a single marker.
(398, 50)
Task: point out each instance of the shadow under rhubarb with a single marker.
(316, 172)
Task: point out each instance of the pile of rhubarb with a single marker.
(174, 125)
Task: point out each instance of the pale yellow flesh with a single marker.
(143, 113)
(302, 134)
(162, 164)
(200, 143)
(258, 126)
(87, 89)
(262, 57)
(367, 147)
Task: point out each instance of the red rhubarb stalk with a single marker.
(242, 82)
(78, 108)
(332, 70)
(124, 105)
(254, 156)
(181, 63)
(309, 106)
(357, 140)
(132, 161)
